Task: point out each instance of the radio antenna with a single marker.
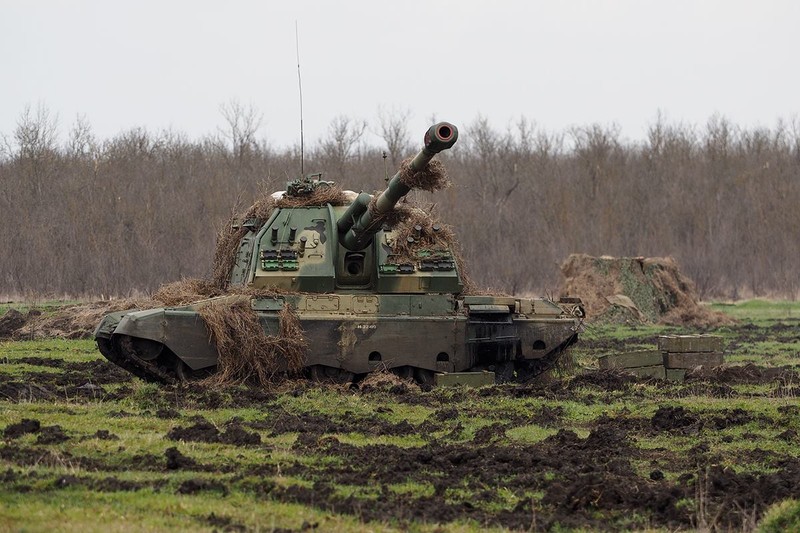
(300, 86)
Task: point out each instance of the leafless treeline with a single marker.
(84, 216)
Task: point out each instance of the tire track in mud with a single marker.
(596, 481)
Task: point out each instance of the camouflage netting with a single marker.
(404, 221)
(321, 196)
(419, 225)
(247, 355)
(186, 291)
(387, 219)
(228, 237)
(624, 289)
(431, 178)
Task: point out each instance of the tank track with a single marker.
(119, 349)
(166, 368)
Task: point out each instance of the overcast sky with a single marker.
(161, 64)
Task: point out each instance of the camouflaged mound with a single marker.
(636, 289)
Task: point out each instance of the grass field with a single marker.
(87, 447)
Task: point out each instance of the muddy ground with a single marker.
(613, 469)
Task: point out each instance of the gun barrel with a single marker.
(359, 224)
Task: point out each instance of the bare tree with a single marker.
(496, 170)
(720, 136)
(35, 148)
(343, 136)
(594, 145)
(81, 141)
(794, 127)
(241, 125)
(36, 132)
(394, 132)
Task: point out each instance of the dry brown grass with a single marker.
(408, 218)
(469, 285)
(186, 291)
(228, 240)
(384, 380)
(431, 178)
(418, 225)
(192, 290)
(389, 218)
(321, 196)
(229, 237)
(75, 321)
(247, 355)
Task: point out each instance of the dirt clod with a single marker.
(25, 426)
(177, 461)
(168, 413)
(238, 436)
(51, 435)
(104, 434)
(671, 418)
(193, 486)
(201, 431)
(10, 322)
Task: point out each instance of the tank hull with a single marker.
(352, 335)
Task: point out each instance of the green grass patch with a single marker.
(68, 350)
(760, 311)
(46, 306)
(781, 517)
(83, 510)
(529, 434)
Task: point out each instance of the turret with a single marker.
(364, 218)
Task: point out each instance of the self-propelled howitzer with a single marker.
(374, 284)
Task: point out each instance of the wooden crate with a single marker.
(690, 343)
(637, 359)
(691, 360)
